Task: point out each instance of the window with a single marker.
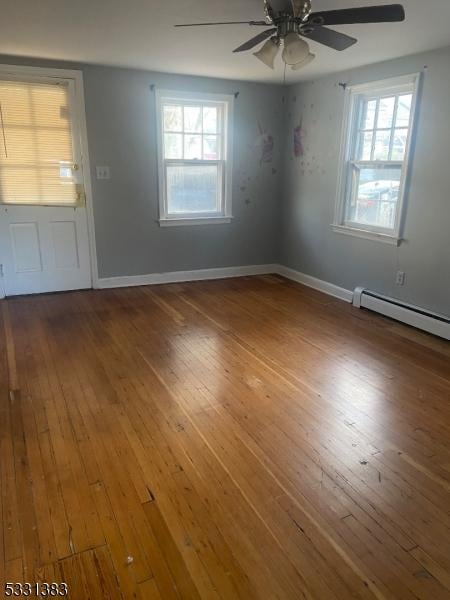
(194, 158)
(37, 155)
(376, 143)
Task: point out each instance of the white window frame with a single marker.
(354, 96)
(226, 103)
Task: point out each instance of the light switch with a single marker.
(103, 172)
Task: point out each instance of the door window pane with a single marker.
(376, 195)
(192, 189)
(37, 153)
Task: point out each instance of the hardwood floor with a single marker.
(245, 438)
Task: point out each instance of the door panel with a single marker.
(26, 248)
(65, 244)
(44, 249)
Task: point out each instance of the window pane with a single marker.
(193, 189)
(173, 118)
(368, 120)
(365, 149)
(209, 119)
(193, 147)
(399, 144)
(173, 145)
(193, 119)
(210, 147)
(386, 112)
(403, 110)
(382, 141)
(375, 200)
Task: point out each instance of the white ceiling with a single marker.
(140, 33)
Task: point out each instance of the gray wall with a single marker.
(307, 242)
(120, 112)
(121, 126)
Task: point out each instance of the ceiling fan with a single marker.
(292, 20)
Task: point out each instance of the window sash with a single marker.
(221, 167)
(375, 129)
(354, 168)
(218, 134)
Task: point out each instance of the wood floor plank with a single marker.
(247, 438)
(149, 590)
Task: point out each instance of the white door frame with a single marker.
(80, 107)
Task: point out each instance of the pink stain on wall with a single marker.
(267, 148)
(266, 144)
(298, 141)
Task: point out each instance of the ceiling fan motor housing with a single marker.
(290, 16)
(300, 9)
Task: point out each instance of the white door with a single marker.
(44, 241)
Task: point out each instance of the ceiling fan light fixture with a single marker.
(268, 52)
(295, 49)
(303, 63)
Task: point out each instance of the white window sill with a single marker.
(194, 221)
(384, 238)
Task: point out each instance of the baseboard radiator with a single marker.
(401, 311)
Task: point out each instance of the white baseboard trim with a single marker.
(224, 273)
(183, 276)
(317, 284)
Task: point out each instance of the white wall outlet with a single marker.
(400, 278)
(103, 172)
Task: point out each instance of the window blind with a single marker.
(36, 150)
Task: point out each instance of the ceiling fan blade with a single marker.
(329, 37)
(256, 40)
(367, 14)
(259, 23)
